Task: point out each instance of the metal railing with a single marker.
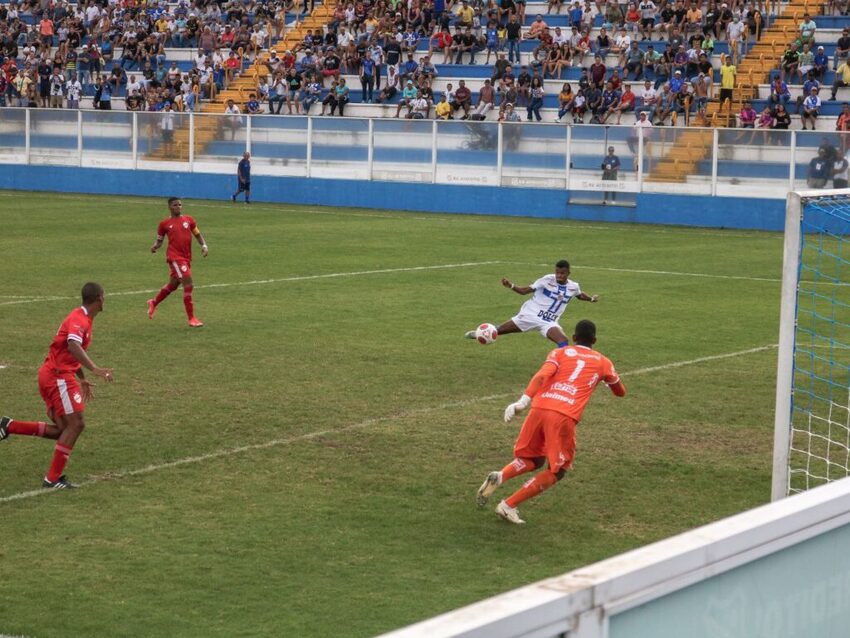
(724, 162)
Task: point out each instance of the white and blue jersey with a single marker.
(546, 305)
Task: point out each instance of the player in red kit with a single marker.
(558, 394)
(179, 229)
(64, 387)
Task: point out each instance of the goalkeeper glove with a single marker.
(518, 406)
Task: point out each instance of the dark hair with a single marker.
(90, 292)
(585, 332)
(171, 200)
(562, 264)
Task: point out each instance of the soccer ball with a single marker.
(486, 333)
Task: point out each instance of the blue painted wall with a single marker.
(687, 210)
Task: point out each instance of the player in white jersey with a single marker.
(552, 293)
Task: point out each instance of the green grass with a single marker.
(362, 518)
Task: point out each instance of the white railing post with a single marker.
(569, 159)
(27, 136)
(370, 150)
(793, 167)
(191, 142)
(499, 159)
(79, 138)
(434, 152)
(135, 140)
(641, 147)
(248, 130)
(715, 148)
(309, 147)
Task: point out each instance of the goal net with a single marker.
(812, 427)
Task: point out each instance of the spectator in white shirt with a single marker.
(648, 100)
(419, 108)
(642, 127)
(73, 91)
(622, 43)
(811, 106)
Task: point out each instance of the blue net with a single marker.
(820, 417)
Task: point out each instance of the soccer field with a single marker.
(306, 464)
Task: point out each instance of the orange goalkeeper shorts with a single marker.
(550, 434)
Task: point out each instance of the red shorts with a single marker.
(180, 268)
(61, 392)
(550, 434)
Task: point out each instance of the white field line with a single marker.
(548, 223)
(677, 273)
(28, 300)
(226, 452)
(257, 282)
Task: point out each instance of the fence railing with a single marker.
(725, 162)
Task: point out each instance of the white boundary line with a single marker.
(256, 282)
(356, 273)
(113, 476)
(547, 222)
(675, 273)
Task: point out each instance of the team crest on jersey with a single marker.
(185, 224)
(77, 398)
(571, 352)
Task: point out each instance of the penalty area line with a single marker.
(226, 452)
(258, 282)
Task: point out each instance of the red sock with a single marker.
(187, 301)
(532, 487)
(27, 428)
(166, 290)
(516, 467)
(60, 458)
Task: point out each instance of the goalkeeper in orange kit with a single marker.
(558, 394)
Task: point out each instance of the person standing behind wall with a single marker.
(243, 178)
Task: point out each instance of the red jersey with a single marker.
(444, 39)
(179, 231)
(76, 327)
(578, 370)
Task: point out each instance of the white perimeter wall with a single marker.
(778, 570)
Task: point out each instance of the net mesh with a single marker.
(820, 417)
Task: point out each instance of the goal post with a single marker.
(812, 417)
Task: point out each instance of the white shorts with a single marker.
(528, 322)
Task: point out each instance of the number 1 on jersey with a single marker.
(579, 367)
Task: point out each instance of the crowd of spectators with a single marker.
(377, 45)
(64, 52)
(42, 41)
(807, 62)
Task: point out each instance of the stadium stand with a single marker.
(209, 57)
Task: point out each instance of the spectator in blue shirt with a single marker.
(367, 78)
(253, 105)
(676, 83)
(408, 69)
(575, 15)
(820, 170)
(821, 64)
(311, 93)
(610, 168)
(779, 93)
(808, 85)
(243, 178)
(492, 35)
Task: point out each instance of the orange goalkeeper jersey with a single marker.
(577, 372)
